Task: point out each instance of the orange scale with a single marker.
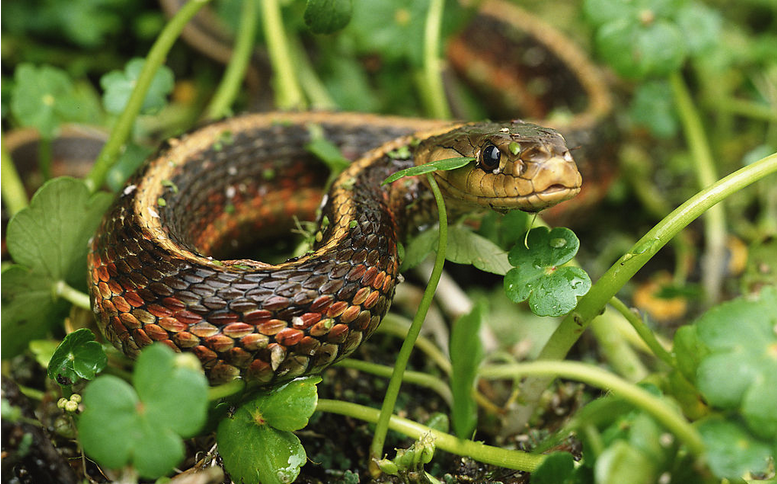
(172, 325)
(361, 295)
(257, 317)
(306, 320)
(337, 309)
(105, 291)
(207, 356)
(220, 343)
(271, 327)
(185, 340)
(377, 283)
(133, 299)
(130, 321)
(141, 338)
(115, 287)
(155, 332)
(237, 330)
(187, 317)
(102, 273)
(289, 337)
(159, 311)
(254, 341)
(338, 333)
(116, 325)
(350, 314)
(108, 308)
(371, 299)
(121, 304)
(387, 284)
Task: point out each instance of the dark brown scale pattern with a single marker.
(264, 324)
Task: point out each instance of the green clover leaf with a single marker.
(464, 247)
(43, 97)
(257, 442)
(78, 356)
(639, 38)
(731, 450)
(739, 370)
(118, 86)
(143, 426)
(552, 290)
(48, 240)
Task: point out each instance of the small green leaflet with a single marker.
(257, 441)
(444, 165)
(327, 16)
(78, 356)
(540, 275)
(466, 356)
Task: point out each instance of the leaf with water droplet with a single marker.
(538, 275)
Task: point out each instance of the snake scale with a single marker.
(163, 264)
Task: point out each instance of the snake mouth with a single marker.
(557, 188)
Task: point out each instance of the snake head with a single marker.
(517, 166)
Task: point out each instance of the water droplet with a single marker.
(558, 242)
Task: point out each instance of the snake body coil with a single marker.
(159, 264)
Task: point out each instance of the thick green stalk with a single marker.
(510, 459)
(45, 157)
(392, 391)
(311, 85)
(221, 103)
(288, 94)
(644, 332)
(74, 296)
(14, 194)
(704, 165)
(620, 355)
(123, 128)
(437, 104)
(592, 304)
(415, 377)
(226, 390)
(592, 375)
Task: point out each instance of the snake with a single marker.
(172, 260)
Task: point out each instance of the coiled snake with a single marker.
(161, 266)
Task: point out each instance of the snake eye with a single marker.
(489, 158)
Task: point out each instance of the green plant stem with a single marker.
(311, 85)
(392, 391)
(414, 377)
(640, 398)
(226, 390)
(221, 103)
(592, 304)
(620, 355)
(78, 298)
(614, 346)
(747, 109)
(704, 165)
(288, 94)
(45, 157)
(14, 194)
(437, 105)
(395, 325)
(123, 128)
(644, 332)
(510, 459)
